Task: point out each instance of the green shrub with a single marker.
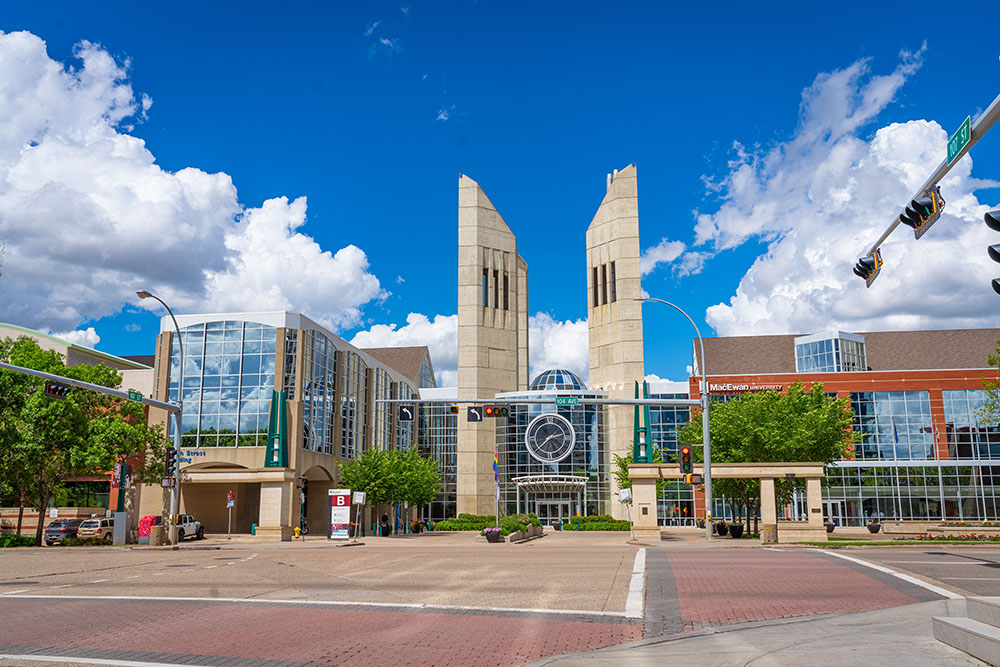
(8, 541)
(601, 523)
(84, 542)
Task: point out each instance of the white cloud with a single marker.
(385, 46)
(133, 327)
(87, 216)
(440, 335)
(558, 344)
(820, 200)
(444, 113)
(663, 252)
(405, 10)
(85, 337)
(370, 28)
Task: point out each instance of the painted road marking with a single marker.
(85, 661)
(63, 586)
(134, 576)
(328, 603)
(973, 578)
(938, 562)
(899, 575)
(636, 587)
(99, 581)
(209, 567)
(23, 590)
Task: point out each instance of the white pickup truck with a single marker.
(188, 526)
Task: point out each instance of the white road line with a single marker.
(973, 578)
(636, 587)
(938, 562)
(899, 575)
(63, 586)
(329, 603)
(23, 590)
(85, 661)
(99, 581)
(158, 574)
(209, 567)
(134, 576)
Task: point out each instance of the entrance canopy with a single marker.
(555, 484)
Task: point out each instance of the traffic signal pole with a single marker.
(979, 128)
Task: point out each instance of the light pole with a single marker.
(704, 418)
(175, 489)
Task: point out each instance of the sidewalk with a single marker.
(887, 637)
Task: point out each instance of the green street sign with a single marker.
(960, 139)
(134, 395)
(567, 400)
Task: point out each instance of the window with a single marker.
(614, 295)
(496, 288)
(604, 283)
(486, 287)
(506, 286)
(596, 304)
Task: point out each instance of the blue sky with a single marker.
(152, 145)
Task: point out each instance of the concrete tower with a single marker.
(492, 335)
(614, 318)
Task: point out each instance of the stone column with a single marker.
(768, 511)
(275, 508)
(644, 509)
(814, 503)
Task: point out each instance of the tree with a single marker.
(989, 411)
(620, 471)
(770, 427)
(392, 477)
(46, 440)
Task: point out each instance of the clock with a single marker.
(549, 438)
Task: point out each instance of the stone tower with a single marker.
(614, 317)
(492, 335)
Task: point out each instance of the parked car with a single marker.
(102, 529)
(60, 529)
(188, 526)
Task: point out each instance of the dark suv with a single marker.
(60, 529)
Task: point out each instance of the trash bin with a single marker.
(253, 529)
(557, 524)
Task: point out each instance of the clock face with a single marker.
(549, 438)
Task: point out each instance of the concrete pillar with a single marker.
(814, 503)
(644, 509)
(768, 511)
(275, 509)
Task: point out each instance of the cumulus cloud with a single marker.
(663, 252)
(87, 216)
(819, 200)
(558, 344)
(85, 337)
(440, 335)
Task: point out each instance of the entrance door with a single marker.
(549, 511)
(834, 511)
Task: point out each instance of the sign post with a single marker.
(340, 514)
(359, 500)
(230, 501)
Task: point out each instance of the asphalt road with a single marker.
(973, 571)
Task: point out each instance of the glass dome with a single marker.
(557, 379)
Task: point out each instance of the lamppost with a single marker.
(175, 489)
(704, 418)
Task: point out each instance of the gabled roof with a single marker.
(92, 355)
(404, 360)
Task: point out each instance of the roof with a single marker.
(885, 351)
(404, 360)
(113, 361)
(146, 359)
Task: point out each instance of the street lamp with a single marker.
(704, 418)
(175, 489)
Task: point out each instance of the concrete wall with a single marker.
(614, 317)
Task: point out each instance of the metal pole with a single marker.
(175, 490)
(706, 439)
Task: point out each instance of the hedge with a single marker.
(7, 541)
(84, 542)
(479, 522)
(595, 523)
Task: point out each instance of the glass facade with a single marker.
(353, 395)
(968, 437)
(319, 388)
(893, 425)
(437, 437)
(227, 383)
(384, 411)
(675, 506)
(589, 457)
(833, 353)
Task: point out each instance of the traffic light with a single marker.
(923, 211)
(868, 267)
(170, 462)
(686, 465)
(56, 390)
(993, 222)
(496, 411)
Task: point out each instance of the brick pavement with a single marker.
(719, 586)
(349, 637)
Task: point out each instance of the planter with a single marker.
(415, 527)
(874, 528)
(722, 529)
(385, 530)
(830, 527)
(700, 523)
(736, 530)
(493, 536)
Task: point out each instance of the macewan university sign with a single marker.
(738, 388)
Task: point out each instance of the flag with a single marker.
(496, 473)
